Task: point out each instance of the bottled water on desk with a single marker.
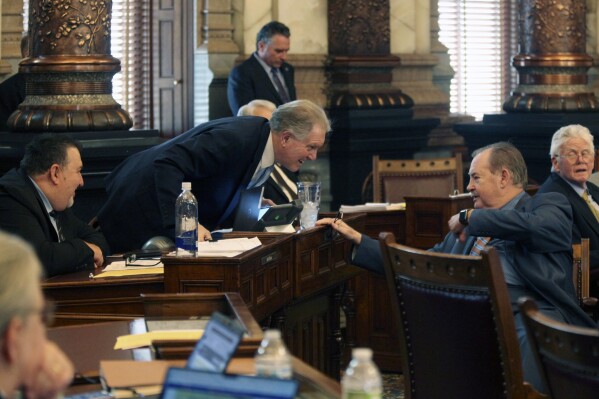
(186, 222)
(362, 379)
(272, 358)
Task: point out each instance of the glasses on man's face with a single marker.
(572, 156)
(46, 313)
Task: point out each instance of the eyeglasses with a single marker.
(572, 156)
(46, 313)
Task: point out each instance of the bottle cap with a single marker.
(362, 353)
(186, 185)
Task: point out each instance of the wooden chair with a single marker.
(581, 258)
(394, 179)
(456, 327)
(567, 355)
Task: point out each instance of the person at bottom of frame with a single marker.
(281, 186)
(29, 363)
(531, 234)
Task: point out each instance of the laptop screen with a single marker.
(218, 343)
(194, 384)
(248, 210)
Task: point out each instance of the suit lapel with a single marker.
(265, 80)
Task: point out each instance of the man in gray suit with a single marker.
(531, 234)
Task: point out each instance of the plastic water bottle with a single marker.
(186, 222)
(362, 379)
(272, 357)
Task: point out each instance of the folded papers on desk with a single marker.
(132, 341)
(373, 206)
(126, 378)
(227, 248)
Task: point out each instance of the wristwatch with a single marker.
(463, 216)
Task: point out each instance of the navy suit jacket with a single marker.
(12, 93)
(219, 158)
(585, 224)
(249, 81)
(23, 213)
(536, 236)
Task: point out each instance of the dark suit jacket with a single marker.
(12, 93)
(536, 235)
(249, 81)
(585, 224)
(219, 158)
(22, 212)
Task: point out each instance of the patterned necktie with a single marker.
(587, 199)
(279, 84)
(56, 216)
(479, 245)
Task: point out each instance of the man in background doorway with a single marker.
(265, 74)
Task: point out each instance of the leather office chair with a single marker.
(394, 179)
(568, 356)
(456, 326)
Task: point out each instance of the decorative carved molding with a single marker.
(553, 63)
(69, 74)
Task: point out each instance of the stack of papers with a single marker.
(373, 206)
(132, 341)
(227, 248)
(135, 268)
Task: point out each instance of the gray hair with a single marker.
(21, 274)
(506, 155)
(250, 108)
(299, 117)
(272, 28)
(570, 132)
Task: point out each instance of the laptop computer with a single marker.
(194, 384)
(248, 210)
(218, 343)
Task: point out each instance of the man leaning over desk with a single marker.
(36, 201)
(220, 158)
(531, 234)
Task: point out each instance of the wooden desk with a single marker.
(80, 299)
(294, 282)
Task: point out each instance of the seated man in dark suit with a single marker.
(265, 74)
(572, 159)
(35, 202)
(281, 186)
(220, 158)
(531, 234)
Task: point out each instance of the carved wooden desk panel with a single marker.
(262, 276)
(80, 299)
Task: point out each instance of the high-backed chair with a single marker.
(394, 179)
(567, 355)
(456, 328)
(581, 257)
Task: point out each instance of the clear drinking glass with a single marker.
(309, 194)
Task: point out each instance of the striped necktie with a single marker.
(587, 199)
(479, 245)
(56, 216)
(279, 84)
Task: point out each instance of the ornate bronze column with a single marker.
(552, 64)
(70, 69)
(360, 63)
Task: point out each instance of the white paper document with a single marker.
(136, 264)
(228, 247)
(373, 206)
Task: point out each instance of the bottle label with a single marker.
(361, 395)
(187, 241)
